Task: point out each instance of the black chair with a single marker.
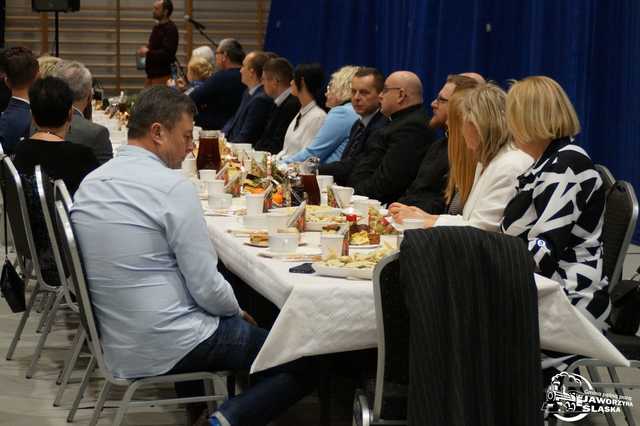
(620, 219)
(607, 177)
(27, 254)
(383, 401)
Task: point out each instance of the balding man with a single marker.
(219, 96)
(395, 152)
(427, 190)
(83, 131)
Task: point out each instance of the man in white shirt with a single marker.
(160, 302)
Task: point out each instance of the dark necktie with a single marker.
(355, 143)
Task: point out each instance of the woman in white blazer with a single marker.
(477, 120)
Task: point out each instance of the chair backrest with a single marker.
(620, 216)
(393, 336)
(61, 193)
(71, 252)
(45, 189)
(18, 215)
(607, 177)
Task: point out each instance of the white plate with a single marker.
(363, 274)
(363, 246)
(232, 211)
(301, 255)
(265, 244)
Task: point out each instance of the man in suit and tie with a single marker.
(218, 98)
(366, 85)
(83, 131)
(277, 74)
(250, 120)
(21, 70)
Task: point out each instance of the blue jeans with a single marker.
(234, 346)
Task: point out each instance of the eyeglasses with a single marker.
(441, 100)
(386, 89)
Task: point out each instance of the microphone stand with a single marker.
(200, 29)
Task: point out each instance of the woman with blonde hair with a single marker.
(559, 206)
(47, 65)
(333, 136)
(477, 123)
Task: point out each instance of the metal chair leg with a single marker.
(49, 299)
(210, 389)
(593, 372)
(124, 404)
(23, 321)
(628, 415)
(100, 403)
(70, 364)
(83, 386)
(51, 319)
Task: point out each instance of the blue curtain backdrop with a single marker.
(589, 46)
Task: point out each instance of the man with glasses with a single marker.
(220, 95)
(427, 190)
(396, 151)
(277, 74)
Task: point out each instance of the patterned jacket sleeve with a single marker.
(559, 198)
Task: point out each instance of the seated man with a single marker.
(366, 86)
(277, 74)
(219, 96)
(249, 121)
(21, 70)
(396, 151)
(427, 190)
(83, 131)
(160, 302)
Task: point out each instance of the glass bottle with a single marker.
(208, 151)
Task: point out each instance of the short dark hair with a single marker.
(272, 55)
(378, 77)
(21, 66)
(313, 76)
(233, 49)
(158, 104)
(51, 100)
(168, 6)
(258, 59)
(281, 69)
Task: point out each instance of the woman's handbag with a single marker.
(625, 309)
(11, 285)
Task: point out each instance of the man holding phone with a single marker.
(160, 52)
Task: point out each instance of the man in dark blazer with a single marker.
(366, 86)
(250, 120)
(427, 190)
(395, 151)
(21, 70)
(219, 96)
(277, 74)
(83, 131)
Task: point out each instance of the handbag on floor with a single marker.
(11, 285)
(625, 307)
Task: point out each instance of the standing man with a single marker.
(160, 51)
(219, 96)
(276, 78)
(83, 131)
(366, 87)
(396, 151)
(250, 119)
(21, 70)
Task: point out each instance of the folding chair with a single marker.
(70, 251)
(607, 177)
(620, 219)
(26, 251)
(389, 394)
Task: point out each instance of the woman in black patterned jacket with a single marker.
(559, 207)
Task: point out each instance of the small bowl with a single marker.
(283, 243)
(255, 221)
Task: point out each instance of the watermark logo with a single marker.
(571, 397)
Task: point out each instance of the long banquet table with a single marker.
(320, 315)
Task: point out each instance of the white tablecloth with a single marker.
(320, 315)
